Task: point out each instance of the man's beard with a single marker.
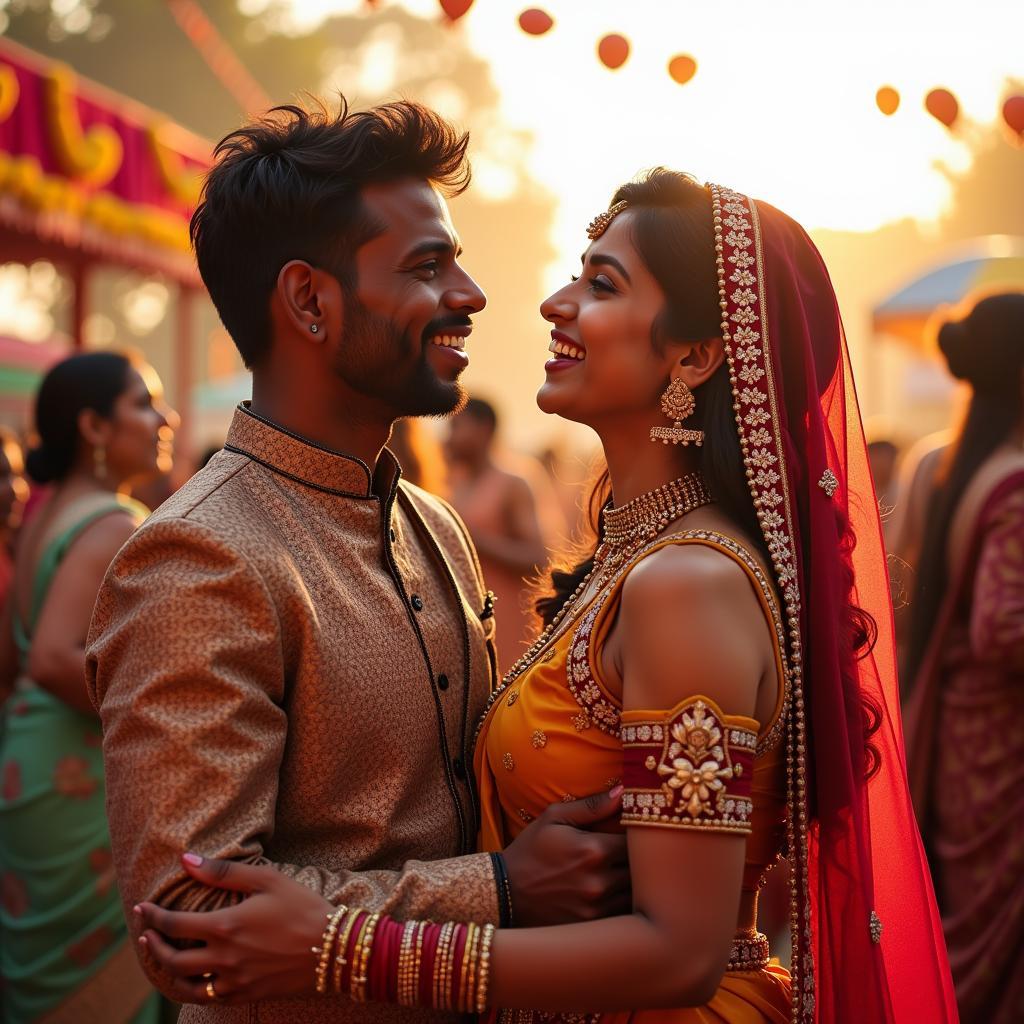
(381, 361)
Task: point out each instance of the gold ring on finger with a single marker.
(210, 990)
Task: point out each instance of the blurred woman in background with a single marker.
(965, 714)
(64, 950)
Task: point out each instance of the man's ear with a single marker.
(311, 300)
(699, 361)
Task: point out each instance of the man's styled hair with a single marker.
(288, 186)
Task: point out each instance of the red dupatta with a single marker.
(867, 941)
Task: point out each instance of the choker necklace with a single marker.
(626, 530)
(629, 526)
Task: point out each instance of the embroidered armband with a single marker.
(690, 768)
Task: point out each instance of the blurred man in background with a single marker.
(499, 509)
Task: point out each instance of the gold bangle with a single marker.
(485, 969)
(342, 947)
(466, 994)
(357, 950)
(417, 963)
(404, 986)
(467, 962)
(325, 948)
(364, 958)
(449, 974)
(439, 955)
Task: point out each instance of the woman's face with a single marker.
(141, 429)
(604, 366)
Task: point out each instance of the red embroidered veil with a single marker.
(868, 944)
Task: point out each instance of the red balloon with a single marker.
(455, 9)
(942, 105)
(613, 51)
(1013, 115)
(682, 68)
(535, 22)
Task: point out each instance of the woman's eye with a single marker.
(601, 284)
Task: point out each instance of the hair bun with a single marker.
(41, 466)
(955, 345)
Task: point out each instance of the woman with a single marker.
(965, 712)
(676, 662)
(63, 945)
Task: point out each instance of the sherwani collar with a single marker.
(306, 461)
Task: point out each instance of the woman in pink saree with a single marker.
(965, 712)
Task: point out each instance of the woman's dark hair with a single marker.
(673, 232)
(986, 349)
(288, 185)
(90, 380)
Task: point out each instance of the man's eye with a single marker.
(430, 268)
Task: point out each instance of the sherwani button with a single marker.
(459, 768)
(417, 602)
(442, 682)
(392, 535)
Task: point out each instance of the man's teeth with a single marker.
(561, 348)
(449, 341)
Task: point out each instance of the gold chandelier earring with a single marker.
(99, 462)
(677, 403)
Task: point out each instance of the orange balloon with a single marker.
(942, 105)
(887, 100)
(1013, 115)
(613, 51)
(455, 9)
(535, 22)
(682, 68)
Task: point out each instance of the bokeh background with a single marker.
(912, 208)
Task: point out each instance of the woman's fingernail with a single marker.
(137, 910)
(616, 791)
(143, 941)
(192, 858)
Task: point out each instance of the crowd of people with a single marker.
(224, 697)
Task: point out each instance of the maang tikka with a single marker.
(677, 403)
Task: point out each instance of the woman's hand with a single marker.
(259, 949)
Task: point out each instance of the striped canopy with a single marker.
(993, 263)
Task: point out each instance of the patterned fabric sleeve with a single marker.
(184, 662)
(997, 611)
(688, 768)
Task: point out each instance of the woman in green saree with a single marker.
(64, 951)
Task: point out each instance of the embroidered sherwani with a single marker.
(289, 659)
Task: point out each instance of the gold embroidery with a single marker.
(508, 761)
(539, 738)
(525, 815)
(512, 698)
(745, 333)
(875, 925)
(692, 774)
(829, 483)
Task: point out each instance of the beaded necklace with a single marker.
(626, 530)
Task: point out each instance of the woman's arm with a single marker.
(690, 625)
(56, 659)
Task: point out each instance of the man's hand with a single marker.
(562, 869)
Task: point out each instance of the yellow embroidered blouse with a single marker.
(556, 733)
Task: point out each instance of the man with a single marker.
(291, 655)
(499, 510)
